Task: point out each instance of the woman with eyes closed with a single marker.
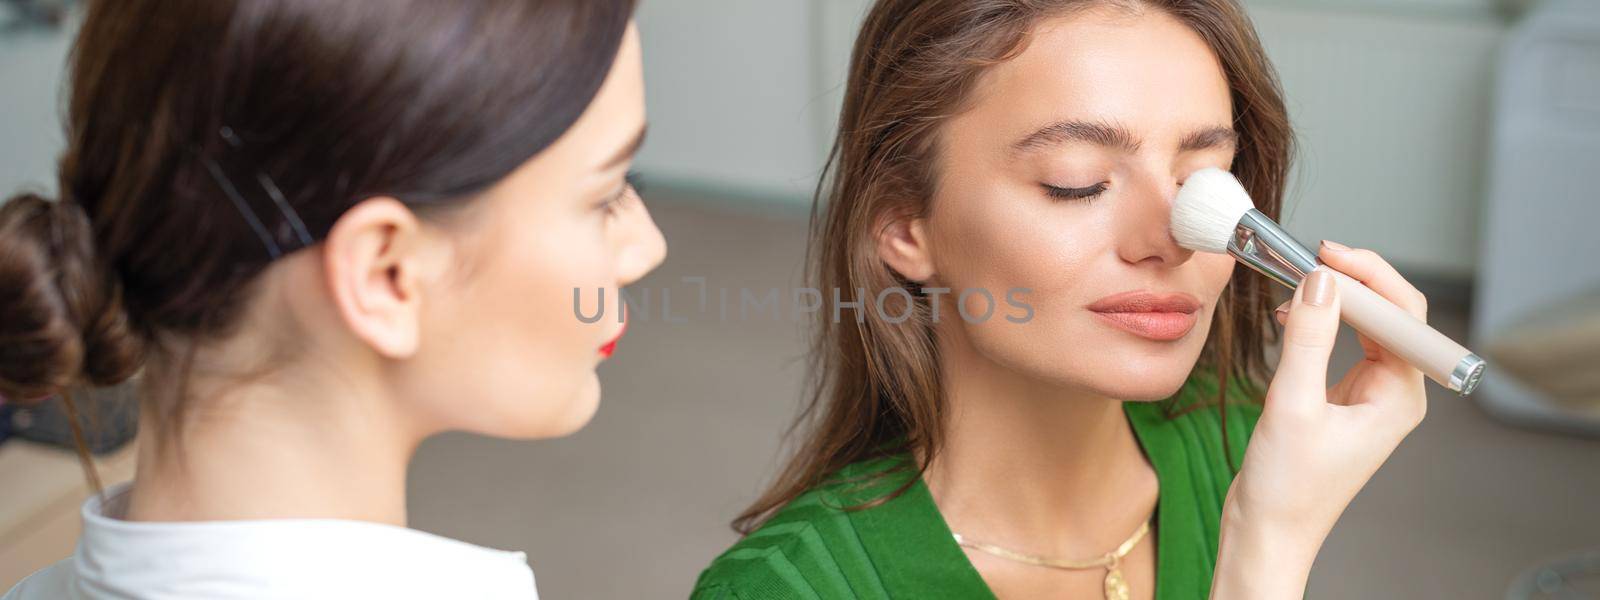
(1099, 448)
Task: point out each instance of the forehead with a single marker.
(617, 112)
(1139, 68)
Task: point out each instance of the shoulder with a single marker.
(810, 548)
(53, 582)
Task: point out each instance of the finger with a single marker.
(1374, 351)
(1281, 313)
(1378, 275)
(1372, 271)
(1301, 380)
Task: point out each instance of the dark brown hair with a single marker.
(205, 138)
(876, 388)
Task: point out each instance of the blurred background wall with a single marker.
(31, 63)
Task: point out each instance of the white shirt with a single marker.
(270, 559)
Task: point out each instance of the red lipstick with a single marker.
(1156, 317)
(611, 347)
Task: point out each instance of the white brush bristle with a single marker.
(1207, 210)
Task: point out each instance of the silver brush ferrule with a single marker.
(1466, 375)
(1266, 247)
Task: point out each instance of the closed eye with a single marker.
(1083, 193)
(614, 202)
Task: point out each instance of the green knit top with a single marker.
(813, 548)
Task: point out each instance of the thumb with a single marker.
(1301, 380)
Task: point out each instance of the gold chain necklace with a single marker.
(1116, 585)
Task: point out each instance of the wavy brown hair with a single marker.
(876, 389)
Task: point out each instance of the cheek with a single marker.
(1217, 272)
(512, 337)
(558, 283)
(1066, 255)
(525, 283)
(997, 237)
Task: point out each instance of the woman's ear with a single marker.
(373, 259)
(903, 245)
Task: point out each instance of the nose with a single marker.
(1144, 225)
(643, 248)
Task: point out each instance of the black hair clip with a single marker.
(290, 234)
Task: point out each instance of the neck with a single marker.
(265, 451)
(1035, 465)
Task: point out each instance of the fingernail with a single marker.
(1282, 314)
(1319, 288)
(1336, 246)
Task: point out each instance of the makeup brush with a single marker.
(1214, 213)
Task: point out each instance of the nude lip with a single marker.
(1157, 317)
(611, 347)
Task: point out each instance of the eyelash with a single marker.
(1083, 194)
(614, 202)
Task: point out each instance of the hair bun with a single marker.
(61, 315)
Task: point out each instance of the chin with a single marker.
(1145, 377)
(576, 413)
(1132, 371)
(1106, 363)
(545, 413)
(1132, 378)
(1146, 390)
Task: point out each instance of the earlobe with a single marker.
(371, 259)
(903, 245)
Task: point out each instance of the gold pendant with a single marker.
(1116, 586)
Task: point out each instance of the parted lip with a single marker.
(1146, 302)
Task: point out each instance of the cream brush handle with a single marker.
(1439, 357)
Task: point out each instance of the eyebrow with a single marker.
(1116, 136)
(1208, 138)
(628, 151)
